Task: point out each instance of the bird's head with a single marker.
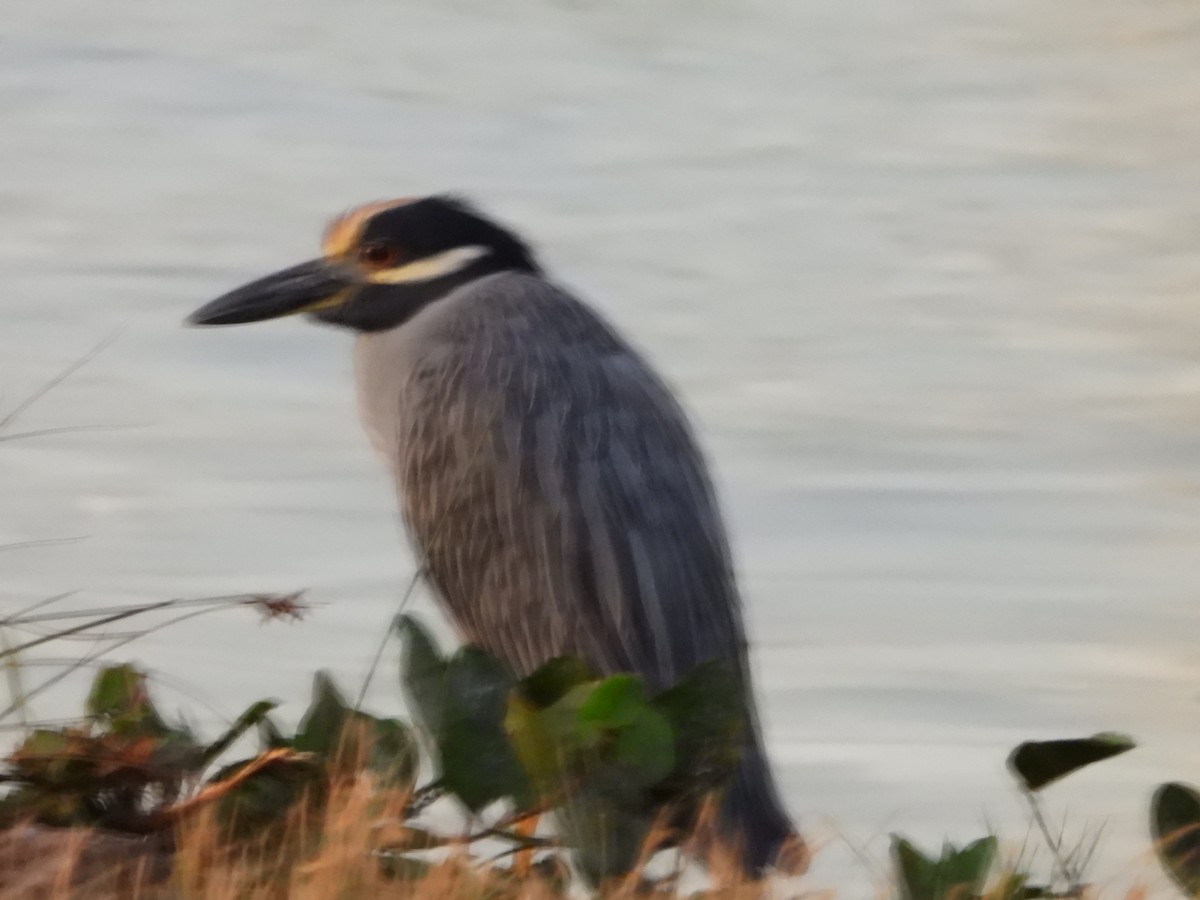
(380, 264)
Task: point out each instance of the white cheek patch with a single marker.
(445, 263)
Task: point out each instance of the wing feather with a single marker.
(556, 492)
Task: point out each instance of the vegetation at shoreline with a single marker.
(619, 770)
(143, 807)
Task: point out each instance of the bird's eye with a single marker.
(378, 256)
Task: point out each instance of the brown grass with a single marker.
(337, 850)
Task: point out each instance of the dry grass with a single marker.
(337, 851)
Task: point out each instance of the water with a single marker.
(924, 273)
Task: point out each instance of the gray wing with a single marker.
(556, 493)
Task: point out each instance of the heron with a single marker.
(551, 483)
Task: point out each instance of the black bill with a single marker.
(312, 285)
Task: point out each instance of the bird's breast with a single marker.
(383, 362)
(421, 357)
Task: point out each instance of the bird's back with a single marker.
(553, 488)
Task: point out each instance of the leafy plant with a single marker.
(963, 873)
(955, 874)
(332, 738)
(122, 768)
(460, 703)
(599, 752)
(1038, 764)
(127, 768)
(607, 759)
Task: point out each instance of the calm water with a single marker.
(926, 274)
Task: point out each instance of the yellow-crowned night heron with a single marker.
(551, 483)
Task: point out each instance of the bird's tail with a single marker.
(752, 823)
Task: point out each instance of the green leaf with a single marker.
(707, 715)
(647, 747)
(393, 751)
(56, 760)
(116, 691)
(551, 681)
(1175, 826)
(614, 702)
(478, 763)
(967, 870)
(264, 798)
(957, 874)
(334, 731)
(916, 872)
(253, 716)
(461, 704)
(555, 744)
(565, 725)
(606, 836)
(540, 756)
(120, 699)
(320, 729)
(422, 674)
(1039, 763)
(44, 742)
(269, 735)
